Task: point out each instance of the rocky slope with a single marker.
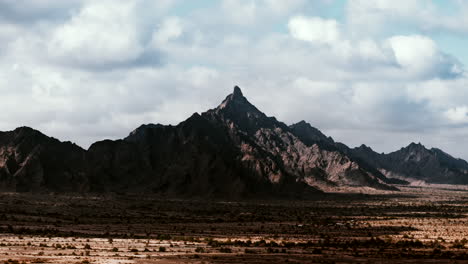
(31, 161)
(231, 151)
(416, 163)
(278, 153)
(234, 150)
(312, 136)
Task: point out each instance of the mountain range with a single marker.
(231, 151)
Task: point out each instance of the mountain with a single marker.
(231, 151)
(31, 161)
(278, 153)
(311, 135)
(416, 163)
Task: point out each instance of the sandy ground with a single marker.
(419, 224)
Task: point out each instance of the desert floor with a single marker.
(419, 224)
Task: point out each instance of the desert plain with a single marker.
(419, 224)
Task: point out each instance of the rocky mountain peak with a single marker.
(238, 110)
(237, 102)
(311, 135)
(237, 92)
(364, 147)
(142, 132)
(303, 125)
(416, 147)
(26, 131)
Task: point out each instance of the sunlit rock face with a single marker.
(416, 163)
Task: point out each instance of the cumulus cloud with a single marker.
(101, 68)
(170, 28)
(458, 114)
(314, 29)
(421, 56)
(103, 32)
(373, 16)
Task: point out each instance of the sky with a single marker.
(382, 73)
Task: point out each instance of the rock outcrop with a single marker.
(31, 161)
(416, 163)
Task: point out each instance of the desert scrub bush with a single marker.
(164, 237)
(460, 244)
(12, 261)
(225, 250)
(200, 250)
(162, 249)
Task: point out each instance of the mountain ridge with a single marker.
(232, 151)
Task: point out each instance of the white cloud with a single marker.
(458, 114)
(421, 56)
(415, 53)
(241, 12)
(314, 29)
(103, 32)
(170, 28)
(280, 7)
(401, 86)
(369, 50)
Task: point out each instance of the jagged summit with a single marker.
(365, 147)
(237, 101)
(233, 150)
(237, 92)
(311, 135)
(238, 110)
(415, 145)
(415, 148)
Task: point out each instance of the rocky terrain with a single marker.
(231, 151)
(31, 161)
(413, 225)
(416, 163)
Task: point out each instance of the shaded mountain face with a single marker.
(416, 162)
(234, 150)
(231, 151)
(31, 161)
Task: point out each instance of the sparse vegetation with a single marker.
(395, 226)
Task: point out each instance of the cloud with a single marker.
(103, 32)
(314, 29)
(253, 12)
(427, 16)
(30, 11)
(458, 114)
(170, 28)
(90, 70)
(421, 56)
